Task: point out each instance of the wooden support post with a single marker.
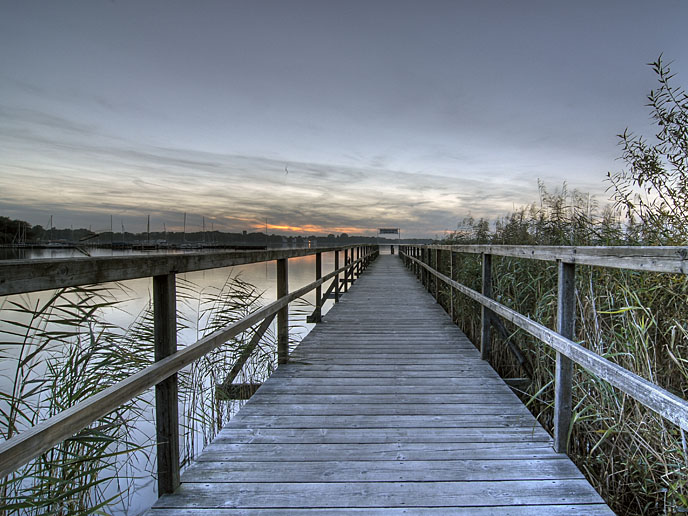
(566, 316)
(167, 391)
(358, 265)
(451, 287)
(346, 271)
(336, 278)
(437, 282)
(317, 315)
(283, 314)
(426, 260)
(485, 313)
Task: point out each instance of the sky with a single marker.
(318, 116)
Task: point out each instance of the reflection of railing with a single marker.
(425, 260)
(33, 275)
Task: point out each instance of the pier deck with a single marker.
(384, 408)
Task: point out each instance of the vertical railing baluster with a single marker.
(451, 287)
(418, 270)
(346, 271)
(566, 316)
(423, 272)
(437, 281)
(358, 265)
(317, 315)
(485, 313)
(336, 278)
(283, 314)
(167, 391)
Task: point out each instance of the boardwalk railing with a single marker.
(424, 260)
(21, 276)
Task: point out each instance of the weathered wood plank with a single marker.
(283, 388)
(348, 470)
(381, 494)
(379, 451)
(380, 435)
(500, 420)
(502, 398)
(381, 409)
(512, 510)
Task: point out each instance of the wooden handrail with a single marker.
(21, 276)
(641, 258)
(31, 443)
(668, 405)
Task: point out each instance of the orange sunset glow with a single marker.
(315, 229)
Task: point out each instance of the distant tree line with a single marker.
(19, 231)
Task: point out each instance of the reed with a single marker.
(63, 350)
(635, 459)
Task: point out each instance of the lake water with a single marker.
(262, 275)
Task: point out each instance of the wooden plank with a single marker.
(347, 470)
(518, 510)
(477, 387)
(378, 451)
(381, 494)
(496, 420)
(503, 397)
(380, 435)
(381, 409)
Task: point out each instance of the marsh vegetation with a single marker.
(64, 347)
(636, 460)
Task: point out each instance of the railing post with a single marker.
(317, 315)
(167, 391)
(358, 265)
(451, 287)
(336, 278)
(566, 316)
(437, 282)
(485, 313)
(346, 271)
(416, 254)
(283, 314)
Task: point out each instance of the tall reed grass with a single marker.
(63, 349)
(635, 459)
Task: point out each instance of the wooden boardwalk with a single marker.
(384, 408)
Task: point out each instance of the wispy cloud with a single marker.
(54, 164)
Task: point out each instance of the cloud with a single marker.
(55, 165)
